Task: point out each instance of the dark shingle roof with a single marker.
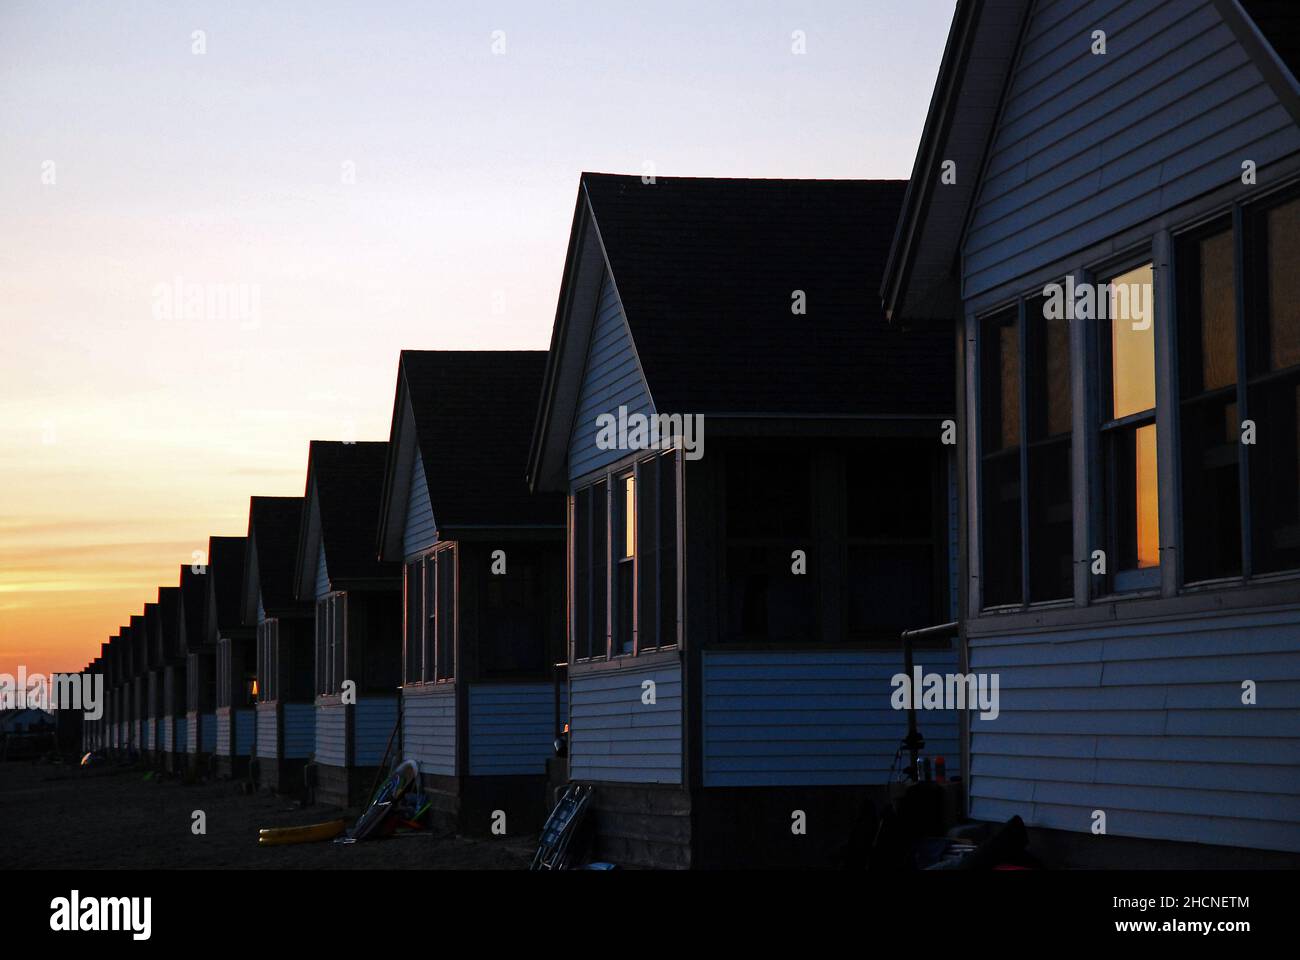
(706, 269)
(273, 532)
(226, 573)
(474, 412)
(1279, 22)
(194, 606)
(349, 479)
(169, 609)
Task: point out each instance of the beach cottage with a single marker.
(137, 681)
(173, 678)
(153, 681)
(112, 691)
(200, 668)
(483, 563)
(1104, 213)
(285, 647)
(358, 617)
(759, 502)
(235, 646)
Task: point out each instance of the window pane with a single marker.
(429, 625)
(413, 616)
(891, 589)
(1275, 474)
(446, 614)
(1001, 529)
(1211, 489)
(1051, 522)
(1134, 497)
(668, 549)
(1284, 285)
(629, 517)
(1218, 339)
(582, 574)
(1132, 344)
(1048, 372)
(599, 570)
(1000, 373)
(647, 561)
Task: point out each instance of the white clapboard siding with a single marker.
(615, 736)
(332, 734)
(268, 731)
(429, 729)
(245, 731)
(372, 727)
(299, 722)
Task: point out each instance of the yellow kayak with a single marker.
(311, 833)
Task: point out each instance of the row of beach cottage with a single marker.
(781, 422)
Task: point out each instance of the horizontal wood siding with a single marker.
(1090, 145)
(793, 718)
(268, 731)
(223, 732)
(245, 731)
(299, 722)
(1145, 721)
(322, 573)
(511, 728)
(429, 729)
(331, 734)
(613, 736)
(612, 378)
(373, 722)
(418, 533)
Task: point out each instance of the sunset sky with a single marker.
(372, 177)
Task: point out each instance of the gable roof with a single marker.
(470, 414)
(706, 270)
(153, 630)
(139, 634)
(340, 508)
(920, 279)
(225, 589)
(270, 558)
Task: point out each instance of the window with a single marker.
(1026, 431)
(625, 562)
(588, 550)
(769, 515)
(413, 647)
(331, 624)
(430, 630)
(267, 656)
(1128, 432)
(639, 572)
(1272, 390)
(513, 634)
(1207, 347)
(893, 511)
(445, 603)
(999, 359)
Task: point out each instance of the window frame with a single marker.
(1107, 427)
(1245, 219)
(611, 479)
(1027, 349)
